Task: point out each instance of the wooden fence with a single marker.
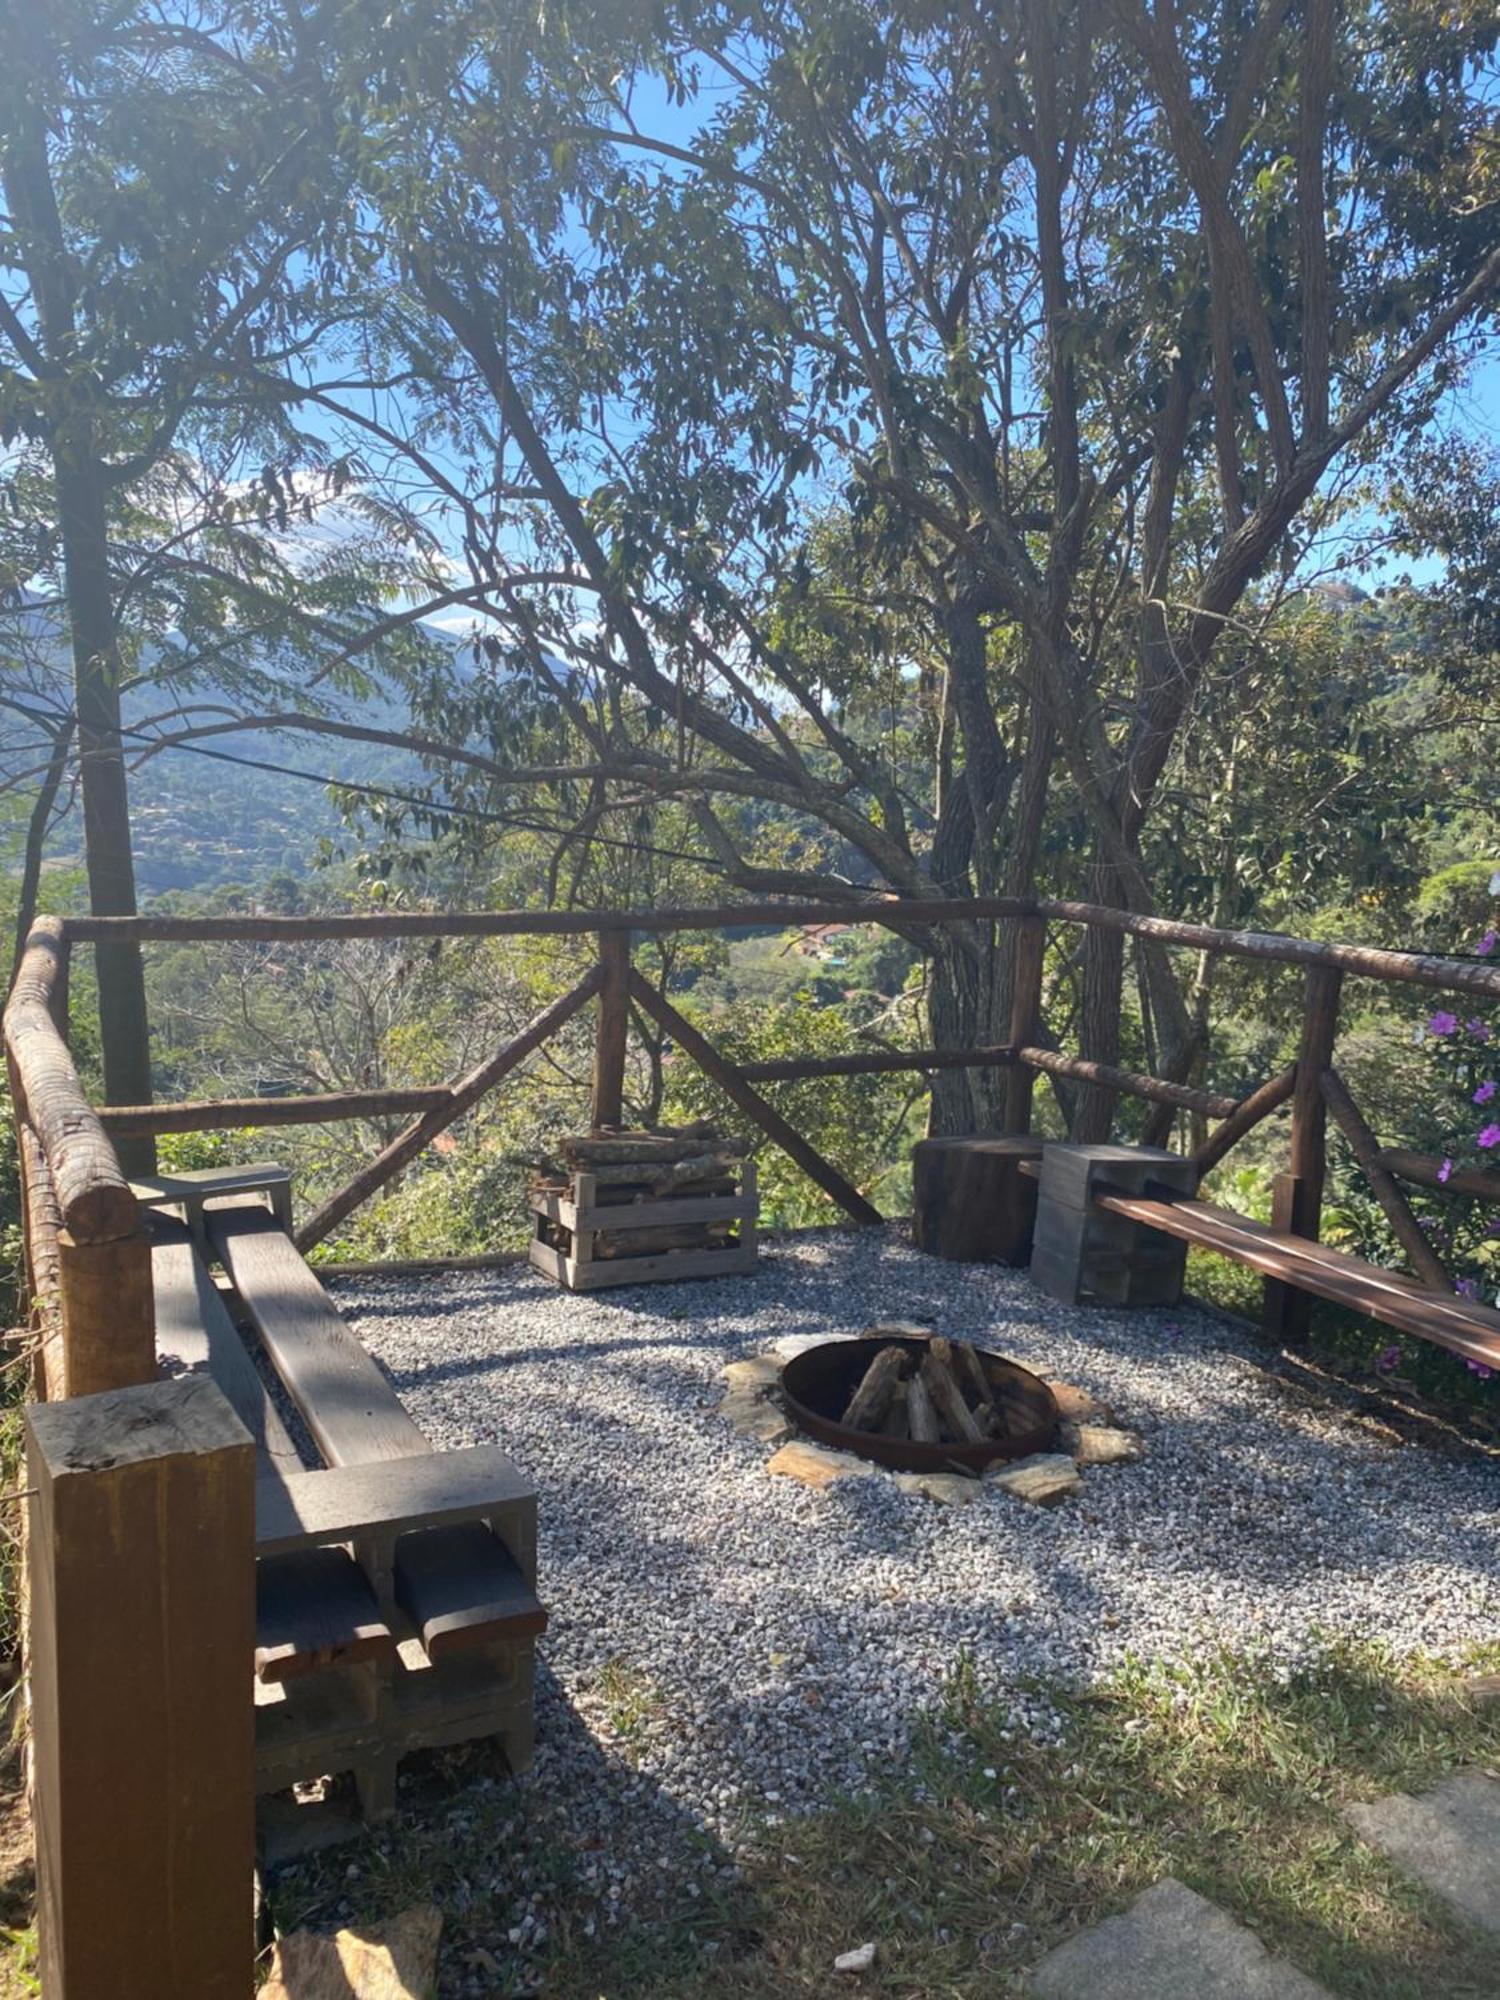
(84, 1244)
(136, 1624)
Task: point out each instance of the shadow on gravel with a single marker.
(583, 1877)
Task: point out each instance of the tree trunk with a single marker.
(1099, 1028)
(961, 1013)
(123, 1031)
(79, 483)
(36, 839)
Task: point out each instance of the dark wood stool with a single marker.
(971, 1202)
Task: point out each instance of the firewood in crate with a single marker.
(921, 1415)
(648, 1149)
(948, 1399)
(662, 1236)
(871, 1398)
(651, 1180)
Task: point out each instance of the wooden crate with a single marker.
(591, 1225)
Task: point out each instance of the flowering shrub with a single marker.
(1466, 1067)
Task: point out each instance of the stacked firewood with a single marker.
(940, 1396)
(629, 1169)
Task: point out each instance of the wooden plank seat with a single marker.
(394, 1599)
(1464, 1328)
(313, 1608)
(436, 1573)
(195, 1335)
(471, 1576)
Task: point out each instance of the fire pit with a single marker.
(1000, 1397)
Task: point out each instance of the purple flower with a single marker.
(1442, 1023)
(1490, 1136)
(1478, 1368)
(1389, 1360)
(1479, 1030)
(1487, 943)
(1485, 1091)
(1445, 1170)
(1467, 1288)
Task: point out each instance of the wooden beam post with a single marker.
(465, 1094)
(750, 1101)
(108, 1314)
(1365, 1146)
(1297, 1198)
(142, 1565)
(613, 1022)
(1247, 1114)
(1025, 1020)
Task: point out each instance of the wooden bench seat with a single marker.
(417, 1519)
(459, 1586)
(195, 1335)
(457, 1582)
(1464, 1328)
(315, 1609)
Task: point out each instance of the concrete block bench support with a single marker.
(1084, 1253)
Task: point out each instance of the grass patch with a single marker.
(631, 1702)
(988, 1847)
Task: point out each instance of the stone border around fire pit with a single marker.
(1088, 1435)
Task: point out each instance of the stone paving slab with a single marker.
(1449, 1839)
(1171, 1944)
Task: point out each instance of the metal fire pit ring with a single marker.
(822, 1379)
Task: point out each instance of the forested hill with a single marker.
(231, 809)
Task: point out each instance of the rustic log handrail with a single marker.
(1211, 1102)
(93, 1196)
(894, 912)
(313, 1108)
(874, 1062)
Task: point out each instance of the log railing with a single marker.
(88, 1263)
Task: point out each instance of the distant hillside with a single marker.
(211, 814)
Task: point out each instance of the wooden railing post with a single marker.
(142, 1566)
(108, 1313)
(1297, 1197)
(1025, 1019)
(612, 1028)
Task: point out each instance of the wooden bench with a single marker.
(1462, 1327)
(395, 1599)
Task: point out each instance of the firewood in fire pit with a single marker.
(922, 1416)
(897, 1420)
(971, 1373)
(942, 1386)
(868, 1405)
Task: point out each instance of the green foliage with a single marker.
(865, 1125)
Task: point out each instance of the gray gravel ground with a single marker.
(749, 1644)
